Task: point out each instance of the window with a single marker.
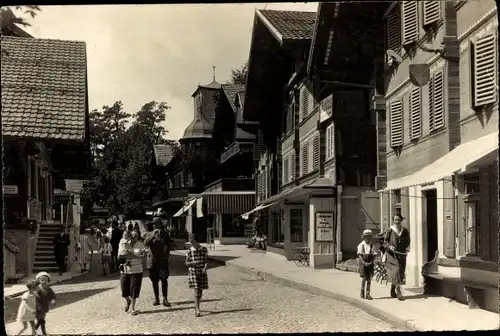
(472, 214)
(415, 119)
(484, 73)
(278, 229)
(431, 12)
(330, 143)
(231, 227)
(40, 182)
(393, 29)
(436, 101)
(292, 167)
(316, 153)
(197, 103)
(304, 102)
(305, 158)
(410, 22)
(396, 123)
(296, 231)
(290, 118)
(32, 177)
(285, 171)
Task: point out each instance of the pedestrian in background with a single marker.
(27, 308)
(116, 236)
(106, 255)
(196, 261)
(85, 250)
(159, 246)
(366, 254)
(45, 298)
(131, 275)
(61, 243)
(137, 229)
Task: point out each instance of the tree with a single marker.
(151, 115)
(106, 126)
(239, 76)
(7, 16)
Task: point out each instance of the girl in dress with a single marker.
(366, 254)
(27, 309)
(85, 249)
(106, 255)
(196, 261)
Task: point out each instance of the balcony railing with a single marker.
(232, 184)
(236, 148)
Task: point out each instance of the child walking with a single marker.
(45, 297)
(27, 309)
(366, 254)
(196, 261)
(106, 255)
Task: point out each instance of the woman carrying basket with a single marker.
(397, 245)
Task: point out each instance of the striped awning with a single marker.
(229, 202)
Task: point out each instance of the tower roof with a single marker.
(200, 127)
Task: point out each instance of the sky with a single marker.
(140, 53)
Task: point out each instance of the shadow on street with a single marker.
(227, 311)
(63, 299)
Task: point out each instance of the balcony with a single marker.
(236, 148)
(232, 184)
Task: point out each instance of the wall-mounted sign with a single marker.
(10, 189)
(447, 216)
(324, 226)
(326, 108)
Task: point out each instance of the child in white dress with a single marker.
(106, 255)
(27, 309)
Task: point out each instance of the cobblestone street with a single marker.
(235, 302)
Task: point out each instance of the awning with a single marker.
(185, 208)
(257, 208)
(459, 160)
(229, 202)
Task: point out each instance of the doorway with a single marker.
(431, 227)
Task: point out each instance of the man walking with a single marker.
(116, 236)
(61, 243)
(160, 244)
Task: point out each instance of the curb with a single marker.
(12, 296)
(390, 318)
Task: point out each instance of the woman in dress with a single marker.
(397, 245)
(196, 261)
(133, 251)
(84, 257)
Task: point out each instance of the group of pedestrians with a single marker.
(394, 246)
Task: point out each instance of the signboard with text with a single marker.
(10, 189)
(324, 226)
(326, 108)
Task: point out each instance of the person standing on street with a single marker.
(196, 261)
(85, 250)
(116, 236)
(61, 243)
(366, 255)
(159, 244)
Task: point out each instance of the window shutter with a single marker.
(432, 12)
(431, 103)
(316, 153)
(484, 67)
(285, 171)
(304, 102)
(305, 158)
(316, 93)
(328, 137)
(393, 30)
(396, 121)
(438, 100)
(410, 22)
(415, 107)
(292, 167)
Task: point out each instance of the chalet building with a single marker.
(45, 131)
(438, 145)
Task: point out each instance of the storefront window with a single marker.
(296, 225)
(278, 229)
(232, 227)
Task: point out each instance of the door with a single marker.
(431, 220)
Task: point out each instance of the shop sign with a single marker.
(326, 108)
(324, 226)
(10, 189)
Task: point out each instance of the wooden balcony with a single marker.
(232, 184)
(236, 148)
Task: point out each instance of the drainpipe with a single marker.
(338, 230)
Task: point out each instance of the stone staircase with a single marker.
(44, 255)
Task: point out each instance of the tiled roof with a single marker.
(231, 90)
(44, 85)
(163, 154)
(291, 25)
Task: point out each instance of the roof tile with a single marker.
(231, 90)
(163, 154)
(44, 88)
(292, 25)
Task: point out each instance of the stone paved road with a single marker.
(235, 302)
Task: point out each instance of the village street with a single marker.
(235, 302)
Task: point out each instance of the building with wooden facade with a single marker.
(45, 130)
(438, 144)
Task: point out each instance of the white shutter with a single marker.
(432, 12)
(316, 153)
(286, 169)
(396, 121)
(415, 109)
(316, 93)
(393, 29)
(410, 21)
(305, 158)
(438, 100)
(292, 167)
(304, 102)
(431, 103)
(485, 81)
(328, 142)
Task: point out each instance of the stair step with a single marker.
(44, 252)
(45, 258)
(44, 264)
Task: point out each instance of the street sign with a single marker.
(10, 189)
